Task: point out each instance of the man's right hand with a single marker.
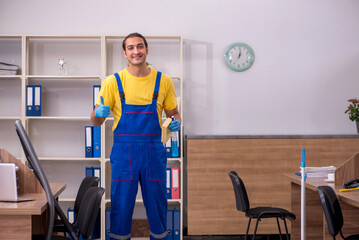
(102, 111)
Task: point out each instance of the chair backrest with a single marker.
(86, 183)
(332, 211)
(240, 192)
(88, 211)
(39, 173)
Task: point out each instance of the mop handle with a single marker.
(302, 202)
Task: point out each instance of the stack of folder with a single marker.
(92, 142)
(107, 222)
(96, 91)
(8, 69)
(173, 224)
(172, 183)
(318, 171)
(93, 172)
(33, 100)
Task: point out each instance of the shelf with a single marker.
(89, 59)
(168, 160)
(10, 118)
(10, 36)
(177, 78)
(68, 159)
(63, 77)
(66, 199)
(160, 37)
(56, 37)
(59, 118)
(10, 76)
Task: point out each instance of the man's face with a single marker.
(135, 51)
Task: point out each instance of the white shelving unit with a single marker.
(58, 134)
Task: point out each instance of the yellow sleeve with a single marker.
(170, 101)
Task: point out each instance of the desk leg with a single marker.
(15, 227)
(314, 214)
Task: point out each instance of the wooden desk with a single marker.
(260, 162)
(316, 226)
(20, 220)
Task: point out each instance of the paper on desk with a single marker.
(319, 171)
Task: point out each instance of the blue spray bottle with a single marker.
(174, 143)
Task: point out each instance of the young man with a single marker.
(137, 96)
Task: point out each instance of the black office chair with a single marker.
(87, 215)
(333, 213)
(88, 211)
(53, 205)
(258, 213)
(86, 183)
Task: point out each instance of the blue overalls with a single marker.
(138, 155)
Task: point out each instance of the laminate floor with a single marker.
(227, 237)
(236, 237)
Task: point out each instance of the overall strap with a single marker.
(120, 89)
(157, 86)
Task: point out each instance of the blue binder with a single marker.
(29, 100)
(107, 222)
(88, 142)
(37, 100)
(176, 224)
(168, 183)
(71, 218)
(93, 172)
(97, 173)
(89, 172)
(168, 148)
(96, 91)
(96, 142)
(170, 224)
(71, 215)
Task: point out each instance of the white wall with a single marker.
(306, 55)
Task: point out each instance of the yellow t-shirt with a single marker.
(138, 91)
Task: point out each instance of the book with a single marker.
(166, 133)
(8, 69)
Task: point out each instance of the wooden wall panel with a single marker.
(260, 163)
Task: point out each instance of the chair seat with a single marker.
(269, 212)
(352, 237)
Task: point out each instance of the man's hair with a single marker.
(131, 35)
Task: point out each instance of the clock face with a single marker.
(239, 56)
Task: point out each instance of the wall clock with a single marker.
(239, 56)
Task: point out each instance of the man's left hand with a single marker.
(175, 126)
